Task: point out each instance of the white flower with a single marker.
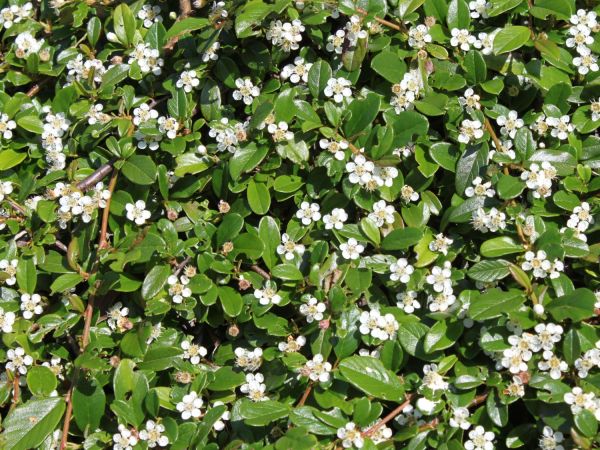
(248, 359)
(289, 248)
(317, 369)
(382, 213)
(150, 15)
(425, 405)
(505, 149)
(354, 29)
(439, 278)
(580, 37)
(480, 189)
(432, 379)
(579, 400)
(147, 58)
(548, 335)
(245, 91)
(553, 365)
(510, 124)
(280, 132)
(407, 301)
(561, 128)
(168, 126)
(470, 130)
(479, 8)
(419, 37)
(7, 320)
(193, 352)
(220, 424)
(190, 406)
(10, 269)
(143, 114)
(335, 147)
(335, 219)
(539, 180)
(286, 35)
(117, 317)
(31, 305)
(308, 213)
(485, 42)
(441, 302)
(581, 218)
(147, 142)
(95, 114)
(383, 327)
(292, 345)
(459, 418)
(188, 80)
(6, 188)
(296, 72)
(211, 53)
(385, 176)
(313, 309)
(541, 266)
(153, 434)
(254, 387)
(584, 18)
(124, 439)
(588, 361)
(335, 42)
(360, 170)
(470, 100)
(440, 244)
(551, 439)
(15, 14)
(586, 62)
(461, 39)
(351, 249)
(268, 294)
(516, 388)
(26, 45)
(492, 221)
(479, 439)
(351, 436)
(137, 212)
(178, 289)
(338, 88)
(401, 270)
(18, 360)
(6, 126)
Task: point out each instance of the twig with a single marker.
(98, 175)
(263, 273)
(387, 23)
(102, 243)
(305, 395)
(16, 390)
(488, 126)
(59, 245)
(35, 89)
(390, 416)
(88, 313)
(478, 400)
(181, 265)
(14, 205)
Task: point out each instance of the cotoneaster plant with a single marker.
(299, 224)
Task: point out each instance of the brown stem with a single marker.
(16, 390)
(181, 265)
(305, 395)
(478, 400)
(263, 273)
(185, 10)
(98, 175)
(390, 416)
(35, 89)
(14, 205)
(102, 243)
(387, 23)
(59, 245)
(488, 126)
(69, 411)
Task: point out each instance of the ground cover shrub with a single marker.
(295, 225)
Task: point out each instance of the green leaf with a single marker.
(259, 414)
(442, 335)
(231, 301)
(252, 14)
(191, 163)
(155, 281)
(496, 410)
(28, 424)
(210, 101)
(500, 246)
(470, 166)
(370, 376)
(353, 56)
(41, 381)
(177, 104)
(401, 239)
(160, 358)
(94, 27)
(113, 76)
(287, 272)
(27, 275)
(510, 38)
(363, 112)
(318, 75)
(474, 67)
(405, 7)
(124, 24)
(89, 401)
(495, 303)
(10, 159)
(185, 26)
(65, 282)
(576, 306)
(259, 198)
(268, 230)
(246, 158)
(140, 169)
(389, 65)
(488, 271)
(458, 14)
(521, 435)
(586, 423)
(509, 187)
(31, 123)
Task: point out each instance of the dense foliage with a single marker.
(293, 225)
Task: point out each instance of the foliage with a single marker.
(278, 224)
